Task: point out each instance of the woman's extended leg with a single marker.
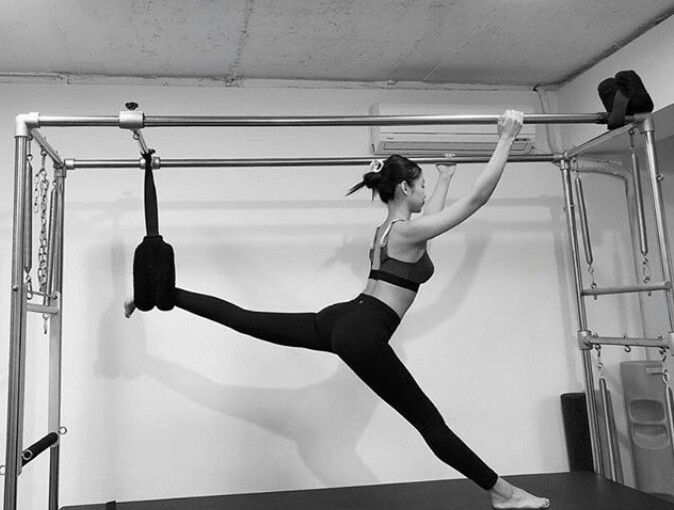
(289, 329)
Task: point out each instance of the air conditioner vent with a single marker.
(431, 140)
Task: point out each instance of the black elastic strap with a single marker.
(375, 274)
(151, 216)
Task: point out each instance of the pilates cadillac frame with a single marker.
(27, 129)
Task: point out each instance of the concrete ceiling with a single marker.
(502, 42)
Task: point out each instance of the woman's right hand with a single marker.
(510, 123)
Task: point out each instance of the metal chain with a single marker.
(590, 270)
(41, 192)
(628, 348)
(665, 371)
(646, 271)
(600, 365)
(40, 204)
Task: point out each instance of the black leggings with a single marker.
(357, 331)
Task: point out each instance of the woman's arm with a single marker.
(436, 203)
(509, 126)
(429, 226)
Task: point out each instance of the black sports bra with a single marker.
(398, 272)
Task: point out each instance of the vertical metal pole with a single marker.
(637, 240)
(55, 334)
(16, 332)
(605, 403)
(669, 396)
(643, 241)
(590, 397)
(660, 222)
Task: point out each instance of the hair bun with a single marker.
(372, 179)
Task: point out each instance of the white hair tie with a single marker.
(376, 165)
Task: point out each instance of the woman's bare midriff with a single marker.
(398, 298)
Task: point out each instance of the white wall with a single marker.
(651, 57)
(169, 404)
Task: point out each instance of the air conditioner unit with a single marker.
(432, 140)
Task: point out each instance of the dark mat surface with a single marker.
(582, 490)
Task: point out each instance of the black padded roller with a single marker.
(36, 449)
(154, 275)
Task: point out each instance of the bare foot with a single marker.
(129, 307)
(505, 496)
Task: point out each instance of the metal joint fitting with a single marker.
(646, 121)
(584, 344)
(131, 120)
(24, 122)
(69, 164)
(156, 163)
(60, 170)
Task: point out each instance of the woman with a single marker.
(358, 331)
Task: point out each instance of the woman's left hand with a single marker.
(446, 168)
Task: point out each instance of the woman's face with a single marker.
(417, 195)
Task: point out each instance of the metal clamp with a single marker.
(584, 344)
(156, 163)
(131, 120)
(645, 120)
(24, 122)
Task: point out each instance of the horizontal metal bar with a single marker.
(587, 339)
(371, 120)
(42, 142)
(73, 164)
(633, 342)
(70, 121)
(49, 310)
(628, 289)
(335, 120)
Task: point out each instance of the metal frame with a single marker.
(27, 129)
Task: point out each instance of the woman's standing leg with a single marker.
(361, 342)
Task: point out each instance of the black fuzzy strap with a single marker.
(151, 215)
(616, 117)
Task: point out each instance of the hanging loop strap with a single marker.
(151, 215)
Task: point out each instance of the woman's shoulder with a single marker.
(398, 234)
